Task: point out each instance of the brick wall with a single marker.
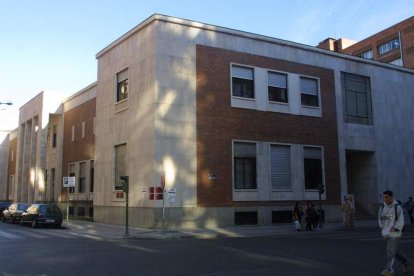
(82, 148)
(218, 123)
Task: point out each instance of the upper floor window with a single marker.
(242, 82)
(54, 136)
(356, 92)
(389, 46)
(83, 129)
(397, 61)
(277, 87)
(245, 165)
(73, 133)
(309, 91)
(367, 54)
(122, 87)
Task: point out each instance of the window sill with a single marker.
(282, 191)
(245, 190)
(278, 103)
(121, 106)
(243, 98)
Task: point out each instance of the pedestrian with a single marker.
(352, 211)
(310, 216)
(409, 207)
(297, 216)
(346, 211)
(391, 223)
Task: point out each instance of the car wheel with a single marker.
(34, 223)
(58, 225)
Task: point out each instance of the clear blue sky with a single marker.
(51, 44)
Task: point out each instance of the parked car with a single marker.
(42, 214)
(14, 212)
(3, 206)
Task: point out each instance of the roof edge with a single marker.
(79, 92)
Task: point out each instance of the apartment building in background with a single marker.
(237, 126)
(394, 45)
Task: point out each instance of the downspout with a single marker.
(401, 53)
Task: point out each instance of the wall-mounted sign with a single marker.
(68, 181)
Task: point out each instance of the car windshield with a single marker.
(22, 207)
(49, 209)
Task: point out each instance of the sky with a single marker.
(50, 45)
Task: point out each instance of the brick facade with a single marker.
(404, 29)
(82, 148)
(218, 124)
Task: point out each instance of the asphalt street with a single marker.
(48, 251)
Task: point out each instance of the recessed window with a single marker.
(122, 88)
(83, 129)
(356, 92)
(389, 46)
(242, 82)
(54, 136)
(91, 176)
(312, 158)
(309, 91)
(73, 133)
(280, 167)
(397, 61)
(277, 87)
(82, 177)
(367, 54)
(120, 165)
(245, 165)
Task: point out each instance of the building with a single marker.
(242, 126)
(394, 45)
(236, 126)
(78, 151)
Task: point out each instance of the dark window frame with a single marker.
(246, 85)
(306, 99)
(357, 117)
(278, 89)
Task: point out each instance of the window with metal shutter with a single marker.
(280, 167)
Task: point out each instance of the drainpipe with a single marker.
(401, 53)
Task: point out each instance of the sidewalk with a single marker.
(107, 231)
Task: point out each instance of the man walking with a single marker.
(391, 222)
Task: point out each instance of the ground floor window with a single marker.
(245, 165)
(313, 169)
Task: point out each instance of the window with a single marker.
(312, 158)
(245, 165)
(73, 133)
(82, 177)
(309, 91)
(91, 212)
(12, 155)
(72, 173)
(83, 129)
(397, 61)
(54, 136)
(357, 99)
(277, 87)
(52, 184)
(242, 82)
(280, 167)
(367, 54)
(122, 87)
(389, 46)
(120, 165)
(91, 175)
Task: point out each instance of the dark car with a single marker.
(3, 206)
(42, 214)
(14, 212)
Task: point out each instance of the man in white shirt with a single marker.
(391, 222)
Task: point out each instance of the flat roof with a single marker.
(194, 24)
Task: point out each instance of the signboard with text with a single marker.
(68, 181)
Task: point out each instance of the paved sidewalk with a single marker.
(106, 231)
